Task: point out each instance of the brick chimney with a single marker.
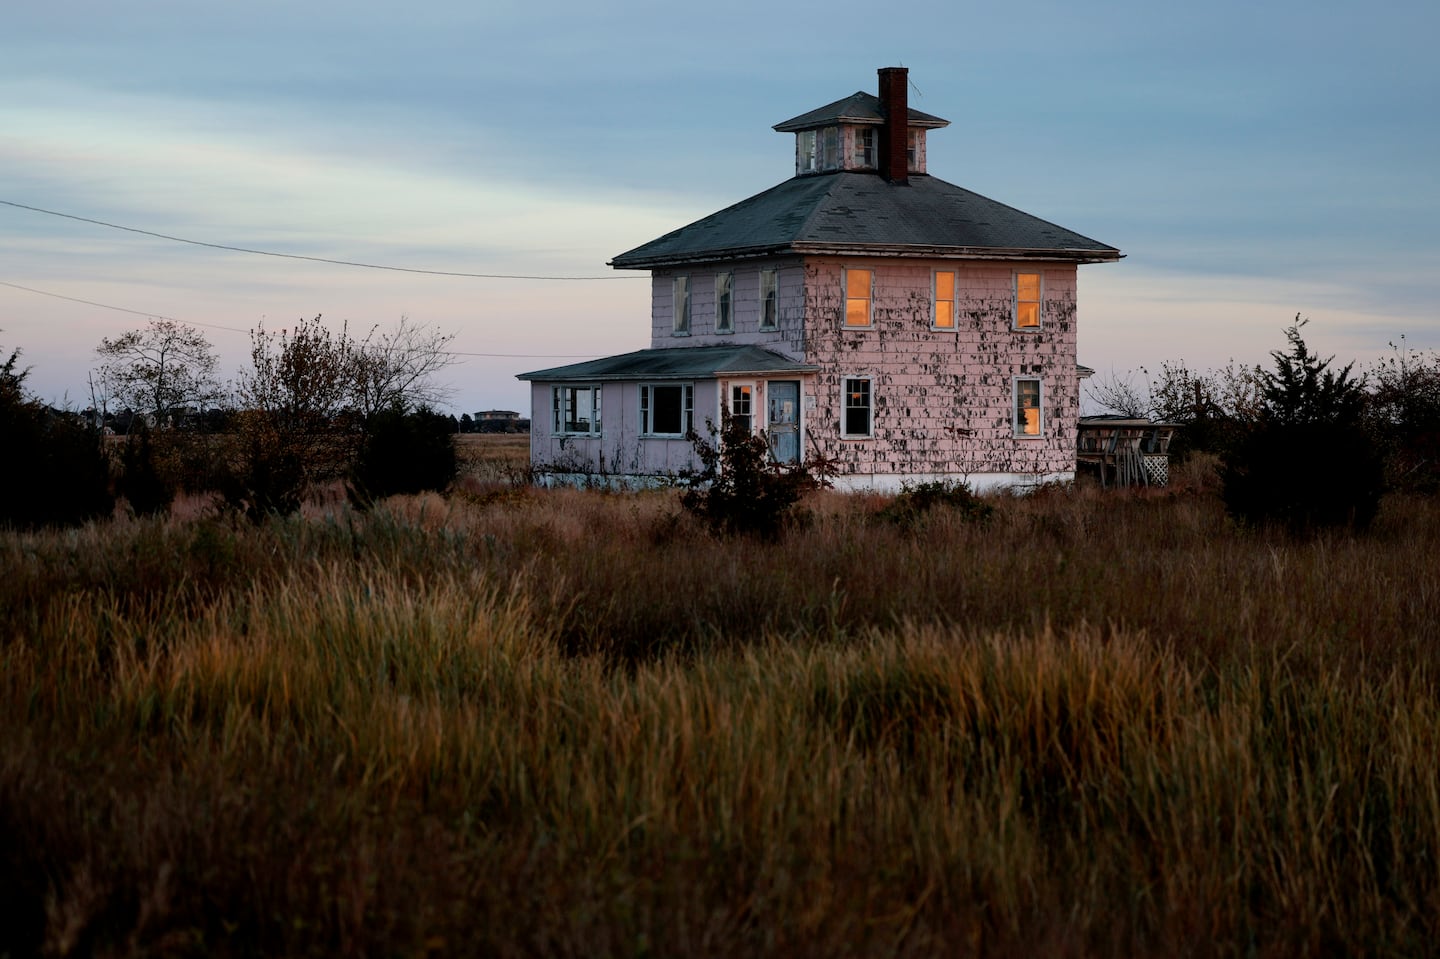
(894, 134)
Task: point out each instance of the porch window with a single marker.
(1027, 301)
(855, 412)
(667, 410)
(769, 299)
(576, 410)
(857, 298)
(1027, 407)
(944, 318)
(680, 300)
(724, 315)
(742, 407)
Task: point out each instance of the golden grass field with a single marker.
(515, 722)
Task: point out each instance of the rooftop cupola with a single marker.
(857, 134)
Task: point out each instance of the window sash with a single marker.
(742, 406)
(865, 147)
(944, 296)
(1027, 301)
(769, 299)
(857, 297)
(666, 409)
(856, 411)
(724, 303)
(680, 303)
(1028, 418)
(575, 410)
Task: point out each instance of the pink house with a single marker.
(902, 326)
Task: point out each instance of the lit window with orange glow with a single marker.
(1027, 407)
(855, 408)
(944, 318)
(1027, 301)
(857, 297)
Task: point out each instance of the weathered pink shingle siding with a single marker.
(943, 398)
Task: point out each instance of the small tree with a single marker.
(294, 428)
(160, 370)
(741, 487)
(1307, 462)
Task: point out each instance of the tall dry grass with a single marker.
(522, 722)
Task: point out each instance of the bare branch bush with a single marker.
(396, 369)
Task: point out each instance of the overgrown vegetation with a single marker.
(56, 472)
(915, 501)
(741, 487)
(572, 723)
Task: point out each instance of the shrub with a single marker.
(1306, 462)
(742, 488)
(142, 481)
(57, 473)
(403, 453)
(915, 501)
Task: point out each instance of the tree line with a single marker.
(312, 406)
(1303, 443)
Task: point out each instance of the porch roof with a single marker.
(677, 363)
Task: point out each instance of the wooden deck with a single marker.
(1125, 452)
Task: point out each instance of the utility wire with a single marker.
(236, 329)
(312, 259)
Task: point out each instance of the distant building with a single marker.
(905, 328)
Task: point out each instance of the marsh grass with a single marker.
(576, 723)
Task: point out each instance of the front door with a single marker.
(783, 421)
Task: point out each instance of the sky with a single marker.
(1253, 162)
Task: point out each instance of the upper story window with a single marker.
(865, 147)
(806, 158)
(724, 303)
(1027, 301)
(915, 150)
(857, 297)
(769, 299)
(680, 304)
(667, 410)
(943, 317)
(576, 410)
(817, 150)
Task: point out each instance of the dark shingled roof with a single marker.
(860, 213)
(676, 363)
(856, 108)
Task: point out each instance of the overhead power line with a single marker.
(236, 329)
(312, 259)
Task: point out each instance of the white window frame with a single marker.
(935, 300)
(647, 409)
(807, 156)
(1039, 301)
(753, 414)
(828, 148)
(845, 407)
(557, 420)
(1015, 418)
(865, 148)
(725, 302)
(769, 285)
(680, 305)
(845, 298)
